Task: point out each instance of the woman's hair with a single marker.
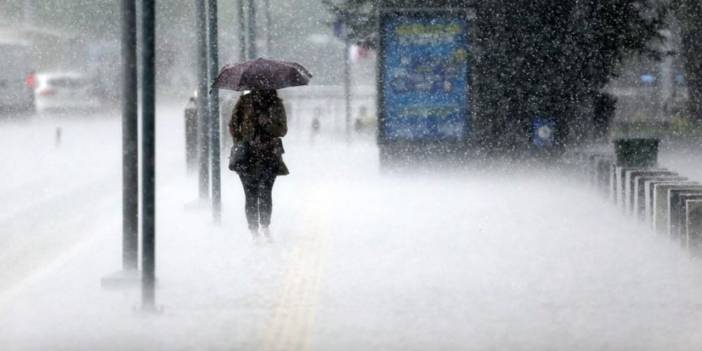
(262, 98)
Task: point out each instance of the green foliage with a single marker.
(689, 14)
(553, 57)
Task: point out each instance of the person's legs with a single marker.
(265, 199)
(251, 190)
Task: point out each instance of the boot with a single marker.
(267, 234)
(254, 234)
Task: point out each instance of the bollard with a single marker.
(671, 197)
(693, 226)
(663, 194)
(648, 195)
(619, 183)
(190, 115)
(639, 206)
(57, 137)
(678, 197)
(604, 168)
(629, 177)
(613, 183)
(623, 188)
(592, 170)
(661, 201)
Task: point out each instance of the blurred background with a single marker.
(483, 253)
(78, 43)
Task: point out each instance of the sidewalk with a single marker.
(475, 260)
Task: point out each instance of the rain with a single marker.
(350, 175)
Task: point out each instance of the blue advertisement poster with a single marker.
(425, 72)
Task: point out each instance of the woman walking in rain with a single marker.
(258, 123)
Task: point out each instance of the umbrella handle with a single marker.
(212, 86)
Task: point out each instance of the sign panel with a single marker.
(424, 69)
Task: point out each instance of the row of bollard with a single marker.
(668, 202)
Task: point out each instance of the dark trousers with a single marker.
(259, 199)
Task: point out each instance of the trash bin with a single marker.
(636, 152)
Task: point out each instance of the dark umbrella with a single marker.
(262, 74)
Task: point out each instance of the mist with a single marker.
(382, 237)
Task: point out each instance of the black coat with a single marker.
(262, 131)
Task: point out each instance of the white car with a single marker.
(16, 77)
(65, 91)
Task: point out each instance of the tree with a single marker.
(553, 57)
(689, 14)
(541, 58)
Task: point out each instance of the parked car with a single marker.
(65, 91)
(17, 78)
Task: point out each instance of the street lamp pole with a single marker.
(202, 101)
(267, 4)
(242, 30)
(130, 139)
(213, 70)
(252, 29)
(129, 275)
(347, 80)
(149, 155)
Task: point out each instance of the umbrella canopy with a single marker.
(262, 74)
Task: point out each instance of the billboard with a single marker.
(424, 76)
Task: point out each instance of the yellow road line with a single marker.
(294, 317)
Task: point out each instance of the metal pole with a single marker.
(148, 148)
(267, 4)
(242, 30)
(252, 29)
(202, 103)
(130, 139)
(215, 155)
(347, 86)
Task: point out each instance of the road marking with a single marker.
(49, 269)
(295, 314)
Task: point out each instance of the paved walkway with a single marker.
(499, 259)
